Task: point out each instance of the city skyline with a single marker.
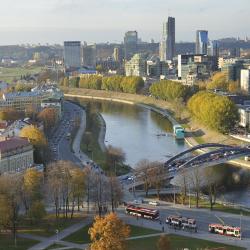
(53, 21)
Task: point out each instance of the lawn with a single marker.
(7, 243)
(82, 236)
(177, 242)
(9, 74)
(54, 246)
(48, 226)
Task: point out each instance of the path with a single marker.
(46, 242)
(78, 138)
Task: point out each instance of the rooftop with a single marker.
(13, 95)
(13, 143)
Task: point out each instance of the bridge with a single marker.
(184, 161)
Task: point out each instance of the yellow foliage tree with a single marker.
(108, 233)
(36, 137)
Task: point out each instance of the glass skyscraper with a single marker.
(201, 42)
(167, 44)
(72, 54)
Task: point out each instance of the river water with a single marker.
(144, 134)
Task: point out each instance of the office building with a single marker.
(130, 44)
(201, 42)
(89, 56)
(118, 55)
(16, 154)
(196, 66)
(136, 66)
(72, 54)
(167, 44)
(245, 80)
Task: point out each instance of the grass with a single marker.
(82, 236)
(8, 74)
(149, 243)
(176, 243)
(54, 246)
(48, 225)
(7, 243)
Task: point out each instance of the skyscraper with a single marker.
(167, 44)
(89, 56)
(130, 44)
(201, 42)
(72, 54)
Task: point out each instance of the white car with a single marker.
(154, 203)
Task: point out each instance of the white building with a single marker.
(245, 80)
(136, 66)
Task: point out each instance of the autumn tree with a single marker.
(10, 114)
(218, 81)
(49, 118)
(38, 140)
(37, 211)
(163, 243)
(214, 111)
(31, 190)
(108, 233)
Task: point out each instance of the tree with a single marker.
(143, 167)
(114, 156)
(49, 118)
(116, 193)
(37, 211)
(218, 81)
(216, 112)
(31, 188)
(108, 233)
(196, 181)
(36, 136)
(156, 172)
(163, 243)
(38, 140)
(10, 201)
(10, 114)
(87, 139)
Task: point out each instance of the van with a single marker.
(154, 203)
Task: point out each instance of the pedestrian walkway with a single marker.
(45, 243)
(78, 138)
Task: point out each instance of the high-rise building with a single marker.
(72, 54)
(201, 42)
(130, 44)
(245, 80)
(89, 56)
(118, 56)
(167, 44)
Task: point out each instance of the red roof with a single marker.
(13, 143)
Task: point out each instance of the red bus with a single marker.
(146, 213)
(225, 230)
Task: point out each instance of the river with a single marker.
(145, 134)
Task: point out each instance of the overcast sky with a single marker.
(50, 21)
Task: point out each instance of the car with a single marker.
(137, 202)
(154, 203)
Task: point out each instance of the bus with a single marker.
(146, 213)
(225, 230)
(181, 222)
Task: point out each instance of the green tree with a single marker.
(37, 211)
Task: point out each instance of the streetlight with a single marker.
(240, 225)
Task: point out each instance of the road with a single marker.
(59, 144)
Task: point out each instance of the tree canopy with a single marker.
(169, 90)
(216, 112)
(108, 233)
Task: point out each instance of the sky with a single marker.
(53, 21)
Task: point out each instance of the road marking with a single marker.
(222, 221)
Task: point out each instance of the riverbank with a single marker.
(197, 133)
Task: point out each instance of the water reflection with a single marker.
(141, 133)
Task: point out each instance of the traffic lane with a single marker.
(204, 218)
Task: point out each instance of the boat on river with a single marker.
(179, 132)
